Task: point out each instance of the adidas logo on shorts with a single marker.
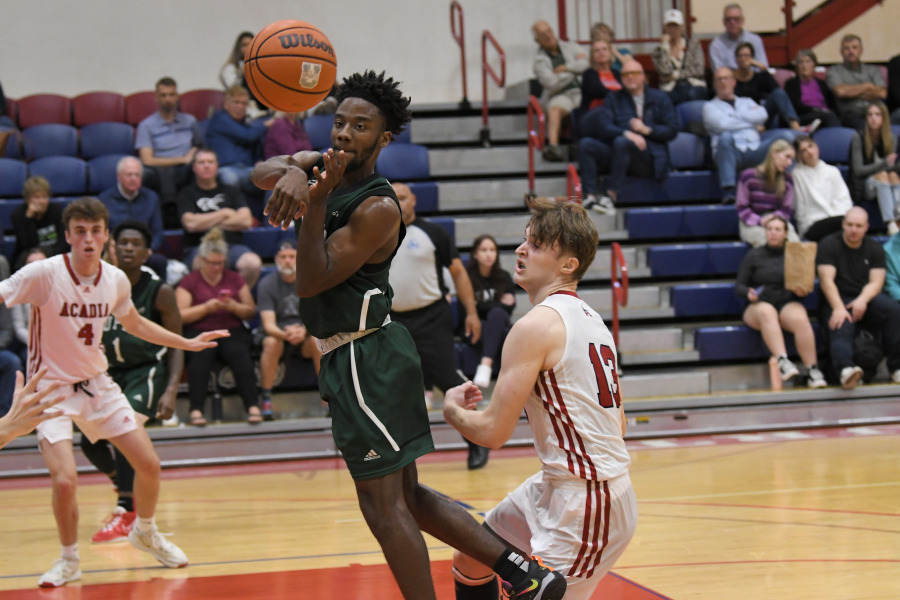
(372, 455)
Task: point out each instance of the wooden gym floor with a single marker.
(790, 515)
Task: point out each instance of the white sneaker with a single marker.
(812, 127)
(62, 572)
(589, 201)
(892, 227)
(850, 376)
(605, 206)
(815, 378)
(483, 376)
(895, 376)
(787, 368)
(162, 549)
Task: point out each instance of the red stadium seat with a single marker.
(782, 75)
(98, 107)
(39, 109)
(139, 106)
(12, 109)
(201, 103)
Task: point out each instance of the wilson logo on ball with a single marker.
(307, 41)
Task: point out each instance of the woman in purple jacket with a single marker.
(765, 191)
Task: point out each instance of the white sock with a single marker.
(144, 525)
(70, 552)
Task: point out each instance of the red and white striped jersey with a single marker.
(67, 315)
(574, 408)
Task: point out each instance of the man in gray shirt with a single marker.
(721, 49)
(854, 84)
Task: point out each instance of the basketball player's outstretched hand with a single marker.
(289, 198)
(29, 408)
(205, 340)
(326, 181)
(465, 396)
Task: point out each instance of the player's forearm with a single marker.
(176, 369)
(155, 334)
(476, 427)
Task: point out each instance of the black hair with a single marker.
(743, 45)
(381, 92)
(138, 226)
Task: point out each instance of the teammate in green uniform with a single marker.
(370, 372)
(148, 374)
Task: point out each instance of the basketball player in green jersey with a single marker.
(370, 374)
(148, 374)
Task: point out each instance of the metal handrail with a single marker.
(619, 288)
(456, 16)
(500, 80)
(535, 137)
(573, 183)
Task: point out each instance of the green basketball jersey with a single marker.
(124, 350)
(364, 300)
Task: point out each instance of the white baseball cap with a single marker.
(673, 15)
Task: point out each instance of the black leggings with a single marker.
(234, 351)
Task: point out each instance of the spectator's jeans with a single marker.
(684, 92)
(781, 111)
(888, 196)
(618, 159)
(882, 314)
(9, 364)
(729, 159)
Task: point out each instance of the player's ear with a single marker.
(386, 138)
(569, 266)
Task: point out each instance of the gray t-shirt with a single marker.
(277, 295)
(844, 75)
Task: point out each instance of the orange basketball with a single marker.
(290, 66)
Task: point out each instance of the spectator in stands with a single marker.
(679, 61)
(420, 301)
(893, 88)
(854, 84)
(810, 96)
(286, 136)
(763, 89)
(232, 72)
(628, 134)
(821, 196)
(37, 222)
(237, 140)
(765, 192)
(129, 200)
(602, 31)
(495, 299)
(279, 311)
(771, 307)
(721, 49)
(557, 66)
(873, 163)
(851, 268)
(892, 260)
(166, 142)
(215, 297)
(734, 124)
(206, 204)
(601, 79)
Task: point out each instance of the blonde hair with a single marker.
(887, 140)
(567, 226)
(34, 186)
(774, 180)
(213, 243)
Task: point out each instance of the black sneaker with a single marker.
(266, 409)
(543, 583)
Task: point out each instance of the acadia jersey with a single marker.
(574, 408)
(68, 312)
(124, 350)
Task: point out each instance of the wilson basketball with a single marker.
(290, 66)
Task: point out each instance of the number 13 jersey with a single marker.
(574, 407)
(67, 315)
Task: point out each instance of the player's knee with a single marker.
(65, 483)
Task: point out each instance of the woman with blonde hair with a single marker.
(873, 164)
(765, 191)
(232, 72)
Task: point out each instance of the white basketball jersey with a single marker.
(67, 315)
(574, 408)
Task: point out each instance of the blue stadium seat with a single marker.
(13, 148)
(677, 260)
(6, 209)
(265, 240)
(447, 223)
(13, 174)
(203, 126)
(661, 222)
(426, 195)
(102, 171)
(705, 299)
(688, 151)
(834, 144)
(174, 244)
(405, 137)
(50, 139)
(318, 128)
(108, 137)
(403, 162)
(710, 221)
(67, 175)
(735, 342)
(690, 115)
(725, 258)
(690, 186)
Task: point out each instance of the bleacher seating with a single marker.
(67, 175)
(318, 128)
(97, 107)
(201, 103)
(403, 162)
(684, 260)
(50, 139)
(102, 172)
(39, 109)
(834, 144)
(715, 299)
(139, 106)
(739, 342)
(682, 221)
(13, 174)
(106, 137)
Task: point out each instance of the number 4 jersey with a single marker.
(574, 408)
(67, 315)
